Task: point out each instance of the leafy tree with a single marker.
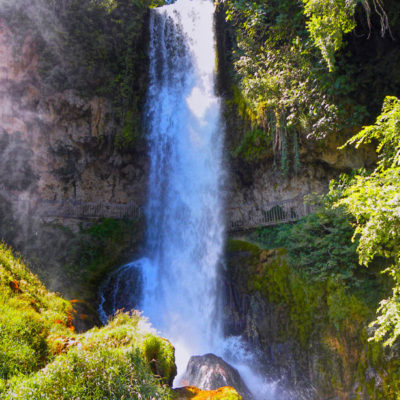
(329, 20)
(283, 91)
(374, 201)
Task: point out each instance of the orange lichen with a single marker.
(191, 392)
(14, 285)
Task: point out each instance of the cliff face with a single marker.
(60, 145)
(255, 188)
(71, 150)
(310, 336)
(61, 142)
(257, 181)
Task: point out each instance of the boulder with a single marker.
(210, 372)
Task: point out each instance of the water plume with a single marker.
(185, 218)
(184, 212)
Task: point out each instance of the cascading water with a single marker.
(184, 213)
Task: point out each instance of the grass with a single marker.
(103, 363)
(42, 357)
(30, 318)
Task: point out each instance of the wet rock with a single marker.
(209, 372)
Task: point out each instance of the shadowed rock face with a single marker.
(59, 144)
(209, 372)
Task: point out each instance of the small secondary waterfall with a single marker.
(177, 279)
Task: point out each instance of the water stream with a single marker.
(184, 213)
(185, 225)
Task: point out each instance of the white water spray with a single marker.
(185, 224)
(184, 214)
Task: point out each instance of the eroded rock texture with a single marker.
(210, 372)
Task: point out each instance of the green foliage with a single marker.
(386, 132)
(30, 318)
(319, 246)
(274, 236)
(103, 363)
(285, 92)
(328, 21)
(373, 200)
(96, 251)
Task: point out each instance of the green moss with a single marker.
(242, 246)
(160, 354)
(102, 363)
(130, 132)
(268, 272)
(30, 318)
(326, 319)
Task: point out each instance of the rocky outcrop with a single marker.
(60, 149)
(60, 145)
(209, 372)
(311, 337)
(254, 187)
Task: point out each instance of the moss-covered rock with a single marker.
(108, 362)
(190, 392)
(31, 318)
(313, 333)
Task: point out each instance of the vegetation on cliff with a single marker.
(373, 199)
(307, 70)
(304, 70)
(316, 331)
(359, 215)
(42, 357)
(318, 280)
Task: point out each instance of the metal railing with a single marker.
(268, 214)
(68, 208)
(240, 218)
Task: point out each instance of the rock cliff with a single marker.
(310, 336)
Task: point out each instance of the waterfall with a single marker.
(184, 212)
(185, 225)
(178, 277)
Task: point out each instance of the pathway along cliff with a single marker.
(177, 279)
